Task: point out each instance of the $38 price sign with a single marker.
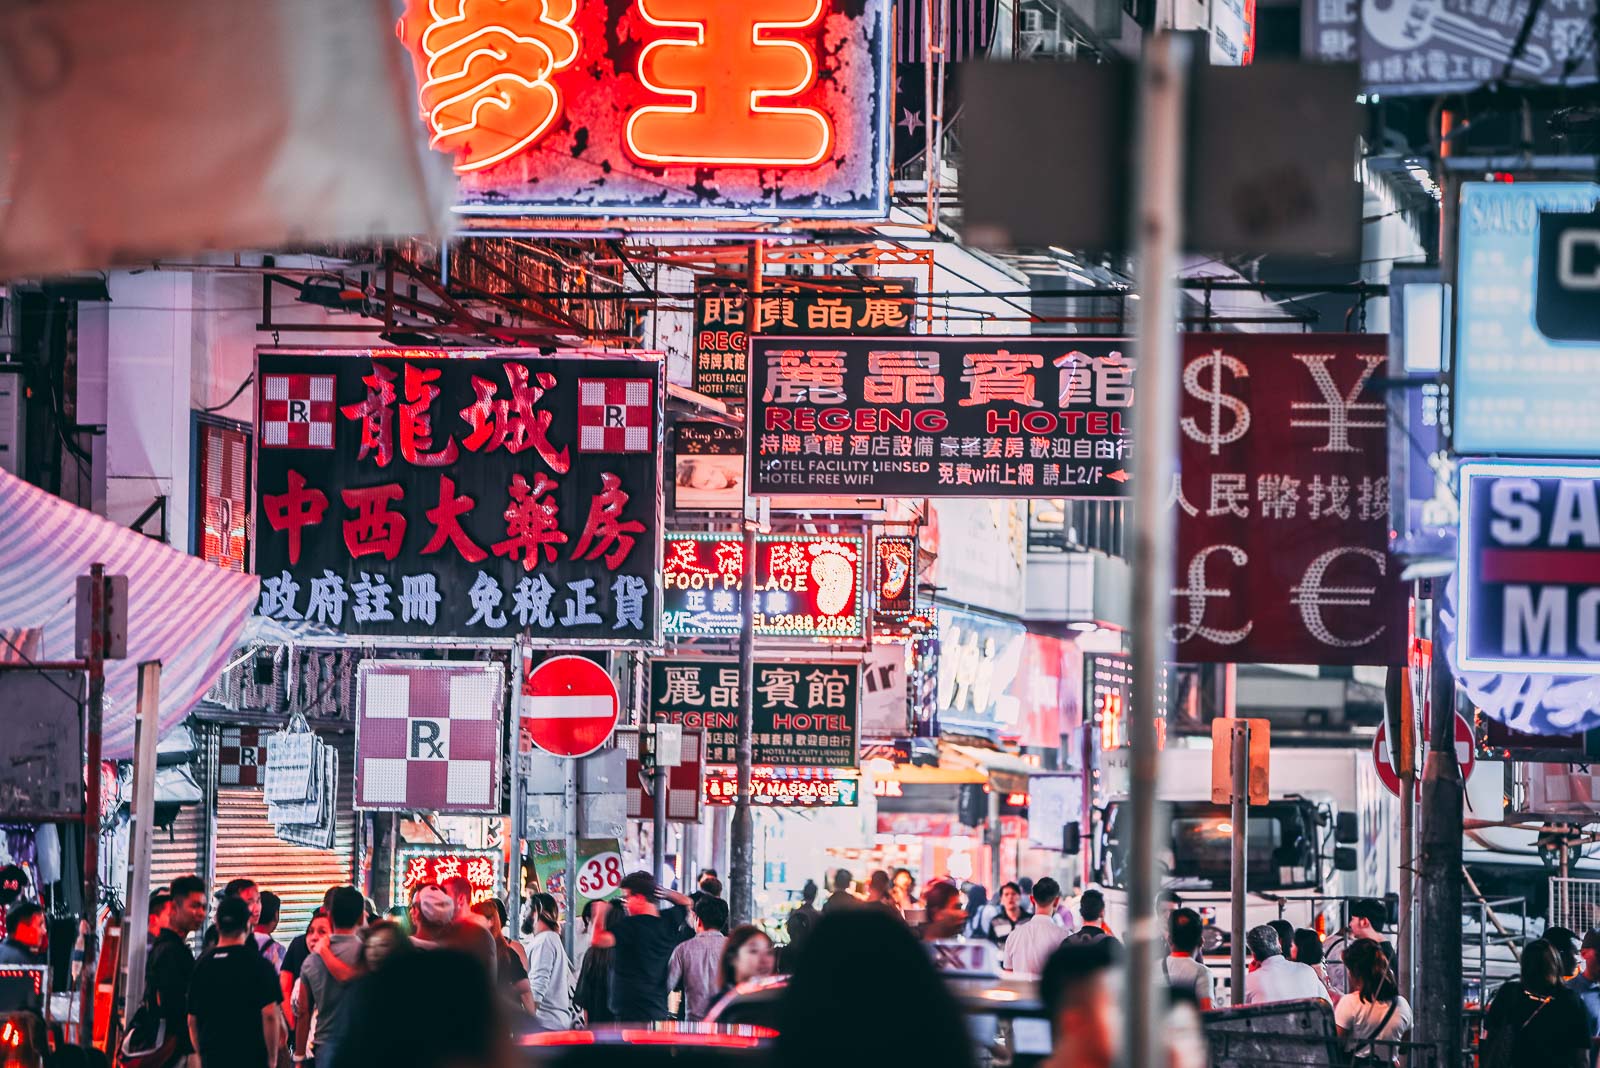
(600, 876)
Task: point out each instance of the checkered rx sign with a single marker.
(429, 735)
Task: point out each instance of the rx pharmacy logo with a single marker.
(428, 739)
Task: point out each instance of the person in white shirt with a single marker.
(1373, 1013)
(1276, 977)
(550, 974)
(1180, 969)
(1030, 944)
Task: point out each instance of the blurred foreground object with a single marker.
(134, 131)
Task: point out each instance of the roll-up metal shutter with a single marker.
(180, 849)
(248, 848)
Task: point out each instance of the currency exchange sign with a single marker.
(421, 493)
(1529, 568)
(1283, 514)
(940, 417)
(805, 713)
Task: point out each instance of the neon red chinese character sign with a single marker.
(536, 98)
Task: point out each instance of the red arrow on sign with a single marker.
(569, 706)
(1120, 476)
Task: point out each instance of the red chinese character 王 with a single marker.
(730, 69)
(294, 510)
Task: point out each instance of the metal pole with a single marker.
(91, 808)
(1156, 224)
(1438, 968)
(658, 822)
(570, 928)
(135, 936)
(741, 859)
(519, 791)
(994, 835)
(1238, 869)
(1408, 882)
(741, 854)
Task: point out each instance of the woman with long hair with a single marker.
(1373, 1013)
(1534, 1021)
(593, 992)
(1306, 948)
(746, 955)
(549, 971)
(510, 969)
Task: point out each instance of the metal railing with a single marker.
(1574, 903)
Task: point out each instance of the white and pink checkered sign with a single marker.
(615, 415)
(428, 735)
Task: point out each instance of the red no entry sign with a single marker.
(569, 706)
(1391, 782)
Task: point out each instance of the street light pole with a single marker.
(1156, 225)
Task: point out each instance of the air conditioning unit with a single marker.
(13, 431)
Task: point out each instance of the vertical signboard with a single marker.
(707, 467)
(1283, 503)
(705, 109)
(426, 493)
(1519, 389)
(894, 577)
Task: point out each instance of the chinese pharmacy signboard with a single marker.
(806, 585)
(940, 417)
(725, 315)
(805, 713)
(428, 735)
(1283, 503)
(1530, 568)
(710, 108)
(405, 492)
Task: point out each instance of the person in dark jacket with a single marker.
(1542, 1022)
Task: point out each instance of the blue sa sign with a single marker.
(1529, 568)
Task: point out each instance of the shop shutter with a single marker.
(179, 849)
(248, 848)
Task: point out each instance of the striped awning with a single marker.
(182, 611)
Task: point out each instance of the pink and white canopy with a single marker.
(182, 611)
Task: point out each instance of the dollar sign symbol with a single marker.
(1214, 362)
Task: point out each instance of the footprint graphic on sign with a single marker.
(833, 569)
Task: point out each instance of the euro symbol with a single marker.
(1213, 436)
(1313, 597)
(1198, 593)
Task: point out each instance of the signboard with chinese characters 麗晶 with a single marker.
(805, 713)
(419, 493)
(726, 316)
(1529, 568)
(1283, 503)
(708, 109)
(806, 585)
(940, 417)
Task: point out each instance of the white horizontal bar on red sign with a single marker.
(574, 706)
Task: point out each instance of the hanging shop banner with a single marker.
(771, 787)
(710, 109)
(726, 315)
(805, 713)
(419, 865)
(429, 493)
(1283, 503)
(428, 735)
(806, 586)
(707, 467)
(1529, 568)
(894, 577)
(1422, 48)
(940, 417)
(1525, 381)
(599, 869)
(885, 703)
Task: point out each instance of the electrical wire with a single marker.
(251, 377)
